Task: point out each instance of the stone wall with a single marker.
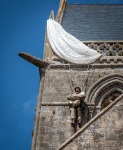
(54, 123)
(106, 133)
(58, 80)
(55, 126)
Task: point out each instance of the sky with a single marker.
(22, 29)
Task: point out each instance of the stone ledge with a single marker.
(60, 104)
(55, 104)
(68, 66)
(104, 60)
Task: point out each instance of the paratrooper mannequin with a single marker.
(75, 101)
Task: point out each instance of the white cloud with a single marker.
(28, 106)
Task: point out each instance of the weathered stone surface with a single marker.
(104, 134)
(54, 121)
(57, 85)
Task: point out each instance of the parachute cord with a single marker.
(69, 80)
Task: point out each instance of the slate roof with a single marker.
(94, 22)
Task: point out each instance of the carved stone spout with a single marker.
(34, 60)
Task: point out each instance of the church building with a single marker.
(80, 100)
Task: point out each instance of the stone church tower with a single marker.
(101, 28)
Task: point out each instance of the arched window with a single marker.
(110, 97)
(104, 91)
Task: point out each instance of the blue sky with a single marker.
(23, 24)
